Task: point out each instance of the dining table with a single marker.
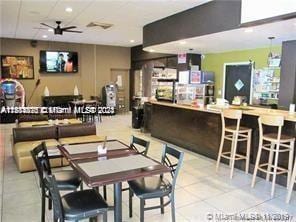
(120, 163)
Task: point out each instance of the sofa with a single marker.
(27, 138)
(78, 133)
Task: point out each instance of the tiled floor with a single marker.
(200, 192)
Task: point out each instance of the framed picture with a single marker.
(17, 67)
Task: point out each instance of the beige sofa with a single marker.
(27, 138)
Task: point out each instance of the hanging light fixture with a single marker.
(270, 54)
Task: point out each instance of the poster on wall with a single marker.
(181, 58)
(17, 67)
(195, 77)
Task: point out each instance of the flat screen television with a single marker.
(58, 62)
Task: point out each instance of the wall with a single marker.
(95, 64)
(215, 62)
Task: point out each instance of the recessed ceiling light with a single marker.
(50, 30)
(248, 30)
(182, 42)
(151, 50)
(44, 36)
(132, 41)
(68, 9)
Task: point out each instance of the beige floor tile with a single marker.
(199, 211)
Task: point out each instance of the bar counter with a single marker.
(199, 130)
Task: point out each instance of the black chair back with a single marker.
(173, 159)
(58, 210)
(140, 142)
(41, 161)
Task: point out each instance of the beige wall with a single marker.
(95, 64)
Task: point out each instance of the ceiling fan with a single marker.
(59, 31)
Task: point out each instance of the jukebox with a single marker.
(12, 94)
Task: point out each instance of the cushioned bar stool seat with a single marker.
(235, 134)
(274, 143)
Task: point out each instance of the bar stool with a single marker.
(235, 134)
(291, 185)
(277, 143)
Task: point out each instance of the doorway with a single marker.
(238, 81)
(121, 78)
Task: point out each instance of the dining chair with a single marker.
(77, 205)
(66, 179)
(157, 186)
(140, 145)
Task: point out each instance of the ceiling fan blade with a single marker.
(72, 31)
(40, 28)
(47, 25)
(69, 27)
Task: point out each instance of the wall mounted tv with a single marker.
(58, 62)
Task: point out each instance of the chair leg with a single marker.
(105, 192)
(257, 163)
(42, 205)
(161, 206)
(220, 151)
(291, 185)
(290, 164)
(248, 152)
(141, 210)
(105, 216)
(270, 161)
(81, 186)
(275, 169)
(173, 209)
(233, 152)
(130, 202)
(49, 201)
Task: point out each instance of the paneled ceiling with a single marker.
(20, 18)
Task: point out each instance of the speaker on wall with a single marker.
(34, 43)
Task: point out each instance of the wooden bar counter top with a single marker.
(199, 129)
(248, 110)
